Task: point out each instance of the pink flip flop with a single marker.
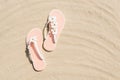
(54, 25)
(34, 41)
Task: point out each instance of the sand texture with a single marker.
(88, 48)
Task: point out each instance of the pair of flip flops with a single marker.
(35, 41)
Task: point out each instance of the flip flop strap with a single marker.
(34, 41)
(53, 27)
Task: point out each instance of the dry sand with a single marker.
(88, 48)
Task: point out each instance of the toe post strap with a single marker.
(33, 41)
(53, 26)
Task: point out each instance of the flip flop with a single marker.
(34, 46)
(54, 26)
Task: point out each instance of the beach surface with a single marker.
(88, 47)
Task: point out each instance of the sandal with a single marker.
(54, 26)
(34, 46)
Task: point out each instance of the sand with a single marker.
(88, 48)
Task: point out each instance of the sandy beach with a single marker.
(88, 47)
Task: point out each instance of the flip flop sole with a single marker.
(37, 63)
(49, 45)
